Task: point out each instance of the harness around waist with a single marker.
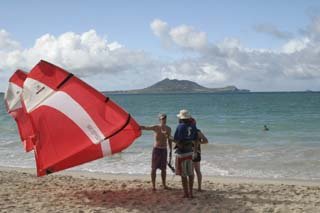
(184, 155)
(187, 142)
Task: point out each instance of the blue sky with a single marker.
(128, 21)
(233, 35)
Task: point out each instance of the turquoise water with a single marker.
(233, 123)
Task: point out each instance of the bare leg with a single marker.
(199, 175)
(191, 179)
(185, 186)
(163, 176)
(153, 178)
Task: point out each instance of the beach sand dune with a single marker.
(22, 191)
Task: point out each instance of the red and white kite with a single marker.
(72, 123)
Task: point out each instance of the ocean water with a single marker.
(233, 123)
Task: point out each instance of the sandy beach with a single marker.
(22, 191)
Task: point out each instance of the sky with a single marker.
(119, 45)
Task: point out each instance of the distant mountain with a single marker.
(179, 86)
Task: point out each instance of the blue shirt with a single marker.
(185, 133)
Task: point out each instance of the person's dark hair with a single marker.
(162, 116)
(193, 121)
(186, 121)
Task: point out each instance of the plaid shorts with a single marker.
(184, 165)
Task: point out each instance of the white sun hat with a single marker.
(184, 114)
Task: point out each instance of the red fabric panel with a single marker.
(59, 137)
(93, 152)
(18, 78)
(125, 137)
(48, 74)
(25, 128)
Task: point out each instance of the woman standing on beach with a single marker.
(201, 138)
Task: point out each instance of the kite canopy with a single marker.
(73, 122)
(15, 109)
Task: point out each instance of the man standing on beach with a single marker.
(185, 136)
(159, 153)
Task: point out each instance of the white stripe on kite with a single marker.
(65, 104)
(34, 92)
(105, 147)
(13, 97)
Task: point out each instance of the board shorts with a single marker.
(159, 158)
(184, 165)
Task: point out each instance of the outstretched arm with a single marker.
(153, 128)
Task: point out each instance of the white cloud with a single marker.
(194, 71)
(114, 45)
(85, 55)
(159, 27)
(295, 45)
(230, 43)
(6, 42)
(212, 74)
(230, 62)
(186, 37)
(183, 36)
(272, 30)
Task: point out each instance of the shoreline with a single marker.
(146, 177)
(72, 191)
